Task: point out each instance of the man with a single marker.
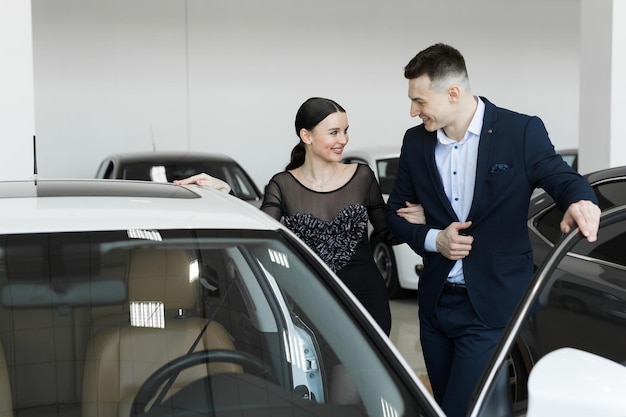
(473, 167)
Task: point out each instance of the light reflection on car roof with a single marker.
(91, 188)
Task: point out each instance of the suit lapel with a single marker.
(485, 147)
(429, 152)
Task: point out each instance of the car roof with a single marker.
(168, 156)
(603, 174)
(89, 204)
(543, 200)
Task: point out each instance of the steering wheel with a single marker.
(173, 368)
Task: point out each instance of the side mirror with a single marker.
(572, 382)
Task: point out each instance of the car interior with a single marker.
(387, 171)
(116, 323)
(121, 356)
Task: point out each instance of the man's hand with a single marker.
(412, 213)
(452, 244)
(585, 215)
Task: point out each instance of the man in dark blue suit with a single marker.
(473, 167)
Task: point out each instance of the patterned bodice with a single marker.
(334, 241)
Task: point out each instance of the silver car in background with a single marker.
(167, 166)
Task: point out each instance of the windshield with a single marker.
(120, 323)
(233, 174)
(387, 170)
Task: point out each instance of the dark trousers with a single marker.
(457, 346)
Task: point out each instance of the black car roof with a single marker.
(604, 174)
(168, 156)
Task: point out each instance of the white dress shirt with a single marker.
(456, 162)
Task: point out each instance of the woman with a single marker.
(328, 204)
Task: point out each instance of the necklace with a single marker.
(321, 186)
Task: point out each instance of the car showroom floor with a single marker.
(405, 332)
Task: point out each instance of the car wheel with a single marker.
(518, 375)
(386, 263)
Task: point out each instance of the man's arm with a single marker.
(403, 192)
(567, 187)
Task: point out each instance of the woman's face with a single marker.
(328, 138)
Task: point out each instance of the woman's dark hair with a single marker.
(310, 113)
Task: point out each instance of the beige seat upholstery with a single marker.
(120, 358)
(6, 402)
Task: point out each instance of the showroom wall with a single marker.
(228, 75)
(17, 107)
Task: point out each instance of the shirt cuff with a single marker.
(430, 243)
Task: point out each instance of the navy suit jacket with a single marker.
(515, 156)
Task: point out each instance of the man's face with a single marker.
(433, 107)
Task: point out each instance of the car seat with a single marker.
(121, 357)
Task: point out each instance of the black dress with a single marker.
(334, 224)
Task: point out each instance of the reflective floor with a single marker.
(405, 332)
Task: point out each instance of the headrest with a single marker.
(161, 274)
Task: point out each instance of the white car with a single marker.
(135, 298)
(127, 298)
(399, 265)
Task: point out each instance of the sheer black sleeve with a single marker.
(376, 210)
(273, 203)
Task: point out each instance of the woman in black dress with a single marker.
(328, 204)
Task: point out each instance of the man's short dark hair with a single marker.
(437, 62)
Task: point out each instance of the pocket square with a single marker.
(498, 168)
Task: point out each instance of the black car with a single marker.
(166, 166)
(544, 216)
(577, 299)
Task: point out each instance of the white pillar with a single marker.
(602, 141)
(17, 109)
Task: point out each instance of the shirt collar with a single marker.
(474, 129)
(476, 125)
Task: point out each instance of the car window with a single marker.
(583, 305)
(166, 172)
(570, 159)
(241, 184)
(387, 170)
(105, 170)
(609, 193)
(227, 320)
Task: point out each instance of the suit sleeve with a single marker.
(404, 189)
(546, 169)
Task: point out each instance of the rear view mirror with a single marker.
(70, 294)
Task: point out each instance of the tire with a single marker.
(386, 263)
(518, 375)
